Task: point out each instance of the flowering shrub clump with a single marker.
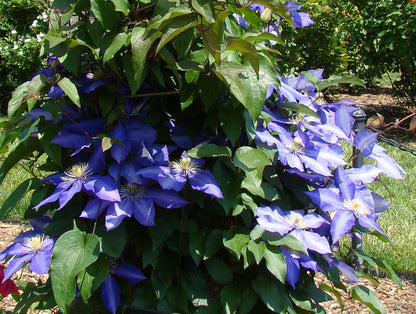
(23, 25)
(175, 169)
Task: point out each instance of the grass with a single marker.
(399, 220)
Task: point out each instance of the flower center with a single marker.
(184, 166)
(357, 206)
(81, 171)
(131, 191)
(36, 243)
(295, 220)
(296, 146)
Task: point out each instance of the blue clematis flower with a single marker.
(31, 246)
(174, 176)
(349, 203)
(110, 290)
(137, 200)
(80, 177)
(300, 19)
(273, 219)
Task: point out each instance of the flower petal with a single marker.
(204, 181)
(110, 294)
(166, 198)
(144, 211)
(129, 272)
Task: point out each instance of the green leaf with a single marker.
(73, 252)
(248, 300)
(275, 262)
(187, 65)
(209, 150)
(262, 37)
(106, 14)
(271, 293)
(235, 241)
(113, 241)
(277, 7)
(290, 242)
(386, 267)
(213, 243)
(206, 9)
(118, 42)
(335, 292)
(247, 49)
(21, 151)
(219, 270)
(92, 277)
(70, 90)
(121, 6)
(33, 90)
(257, 249)
(17, 99)
(178, 298)
(229, 182)
(197, 245)
(18, 193)
(249, 158)
(106, 143)
(176, 27)
(141, 42)
(241, 79)
(368, 298)
(298, 108)
(230, 297)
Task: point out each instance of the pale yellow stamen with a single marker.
(79, 171)
(296, 146)
(295, 220)
(357, 206)
(36, 243)
(184, 166)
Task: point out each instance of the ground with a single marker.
(381, 100)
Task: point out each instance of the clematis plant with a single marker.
(180, 170)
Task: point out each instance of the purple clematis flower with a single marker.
(110, 290)
(80, 177)
(350, 204)
(273, 219)
(293, 264)
(300, 19)
(137, 200)
(179, 172)
(30, 246)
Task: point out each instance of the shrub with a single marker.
(174, 169)
(23, 25)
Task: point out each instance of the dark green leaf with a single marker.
(247, 49)
(229, 182)
(272, 294)
(219, 270)
(118, 42)
(275, 262)
(230, 297)
(18, 98)
(141, 42)
(106, 14)
(73, 252)
(209, 150)
(92, 277)
(70, 90)
(121, 6)
(213, 243)
(290, 242)
(21, 151)
(368, 298)
(113, 241)
(257, 249)
(177, 26)
(206, 9)
(197, 245)
(18, 193)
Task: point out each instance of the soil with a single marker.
(377, 101)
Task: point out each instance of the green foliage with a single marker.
(23, 25)
(364, 38)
